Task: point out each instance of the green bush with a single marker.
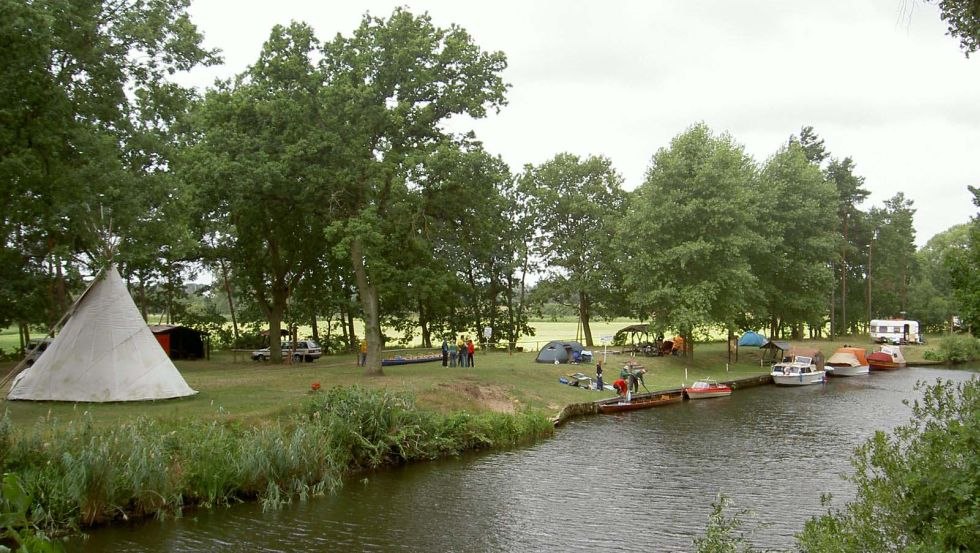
(955, 348)
(917, 488)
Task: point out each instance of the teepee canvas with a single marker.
(105, 352)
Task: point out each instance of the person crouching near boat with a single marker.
(622, 390)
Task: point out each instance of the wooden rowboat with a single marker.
(641, 401)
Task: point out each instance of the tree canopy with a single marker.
(691, 233)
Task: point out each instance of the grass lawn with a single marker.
(252, 392)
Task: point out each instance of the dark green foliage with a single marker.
(955, 348)
(963, 266)
(962, 18)
(16, 526)
(687, 239)
(917, 488)
(578, 203)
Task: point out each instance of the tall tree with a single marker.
(794, 270)
(931, 300)
(257, 167)
(892, 264)
(964, 270)
(578, 203)
(397, 81)
(811, 144)
(850, 193)
(87, 123)
(689, 234)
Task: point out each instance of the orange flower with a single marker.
(315, 386)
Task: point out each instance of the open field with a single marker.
(252, 392)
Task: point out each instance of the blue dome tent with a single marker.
(752, 338)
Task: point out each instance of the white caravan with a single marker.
(895, 331)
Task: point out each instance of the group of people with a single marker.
(460, 352)
(630, 379)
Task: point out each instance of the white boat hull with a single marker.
(703, 395)
(849, 370)
(801, 379)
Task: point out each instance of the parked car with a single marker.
(303, 350)
(35, 348)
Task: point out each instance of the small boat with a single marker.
(848, 361)
(886, 358)
(400, 360)
(706, 388)
(640, 401)
(797, 370)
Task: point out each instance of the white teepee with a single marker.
(105, 352)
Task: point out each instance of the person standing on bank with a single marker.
(598, 376)
(362, 358)
(445, 353)
(462, 350)
(452, 353)
(470, 349)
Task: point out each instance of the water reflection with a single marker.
(643, 480)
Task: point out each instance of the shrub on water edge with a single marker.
(724, 533)
(955, 348)
(917, 487)
(80, 475)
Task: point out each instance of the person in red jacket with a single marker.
(470, 348)
(621, 387)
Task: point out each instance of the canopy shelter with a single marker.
(631, 333)
(181, 342)
(105, 352)
(637, 338)
(812, 353)
(558, 350)
(773, 350)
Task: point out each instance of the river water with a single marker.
(643, 480)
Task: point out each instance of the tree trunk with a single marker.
(60, 294)
(143, 310)
(584, 313)
(843, 281)
(231, 300)
(316, 330)
(25, 335)
(424, 326)
(351, 335)
(369, 304)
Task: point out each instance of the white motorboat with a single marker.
(797, 371)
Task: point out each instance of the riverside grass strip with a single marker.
(79, 474)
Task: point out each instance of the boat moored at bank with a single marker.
(886, 358)
(706, 388)
(640, 401)
(797, 370)
(848, 361)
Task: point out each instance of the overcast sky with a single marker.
(878, 80)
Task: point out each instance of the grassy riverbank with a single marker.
(258, 393)
(257, 430)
